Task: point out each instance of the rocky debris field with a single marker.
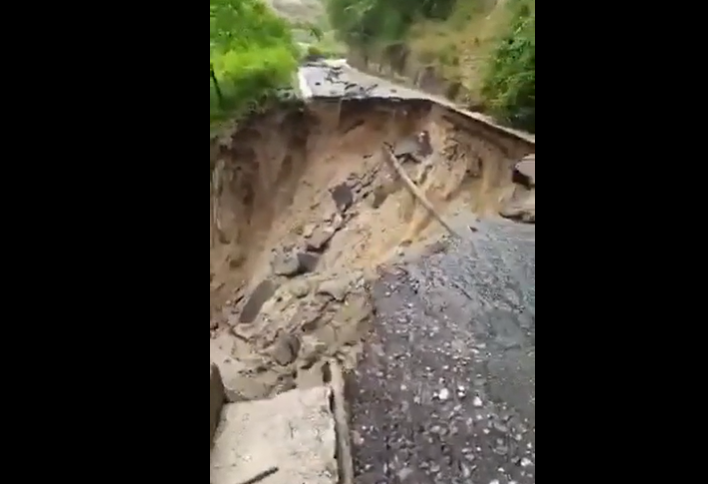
(279, 336)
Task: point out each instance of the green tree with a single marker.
(251, 55)
(510, 83)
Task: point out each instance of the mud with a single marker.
(304, 209)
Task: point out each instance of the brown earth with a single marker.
(303, 208)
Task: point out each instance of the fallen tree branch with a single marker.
(261, 476)
(415, 191)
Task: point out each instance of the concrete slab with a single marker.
(294, 431)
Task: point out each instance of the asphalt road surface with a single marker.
(335, 79)
(446, 391)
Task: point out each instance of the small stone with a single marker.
(307, 262)
(501, 450)
(404, 474)
(526, 462)
(262, 293)
(477, 402)
(444, 394)
(286, 349)
(299, 289)
(357, 439)
(318, 241)
(308, 230)
(336, 288)
(337, 222)
(342, 196)
(294, 264)
(286, 265)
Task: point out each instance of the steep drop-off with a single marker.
(304, 207)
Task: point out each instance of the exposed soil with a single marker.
(303, 209)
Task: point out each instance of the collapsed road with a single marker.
(436, 333)
(445, 390)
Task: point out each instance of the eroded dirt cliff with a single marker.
(304, 208)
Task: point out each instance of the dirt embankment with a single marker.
(303, 208)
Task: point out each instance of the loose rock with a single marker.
(286, 265)
(307, 262)
(319, 239)
(336, 288)
(262, 293)
(342, 196)
(294, 264)
(527, 169)
(299, 289)
(286, 349)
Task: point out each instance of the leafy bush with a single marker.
(510, 82)
(251, 55)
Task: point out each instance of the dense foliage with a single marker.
(510, 83)
(363, 22)
(251, 55)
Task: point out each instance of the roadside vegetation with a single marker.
(485, 49)
(509, 85)
(252, 57)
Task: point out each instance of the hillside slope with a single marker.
(478, 53)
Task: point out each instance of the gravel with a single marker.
(445, 392)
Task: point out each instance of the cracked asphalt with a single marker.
(446, 390)
(335, 79)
